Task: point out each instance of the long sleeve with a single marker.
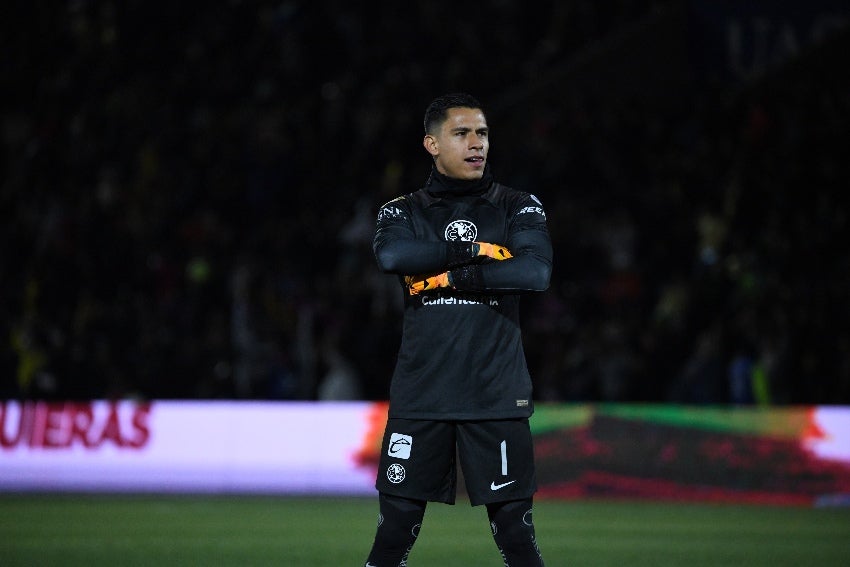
(530, 268)
(398, 251)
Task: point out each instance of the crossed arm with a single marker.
(524, 265)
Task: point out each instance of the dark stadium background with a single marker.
(188, 192)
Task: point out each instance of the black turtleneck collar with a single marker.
(441, 185)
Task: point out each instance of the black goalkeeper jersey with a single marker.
(461, 355)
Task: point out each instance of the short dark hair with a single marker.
(437, 111)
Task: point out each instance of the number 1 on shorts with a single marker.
(504, 447)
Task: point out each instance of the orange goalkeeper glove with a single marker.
(494, 251)
(417, 284)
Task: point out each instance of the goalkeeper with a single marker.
(465, 249)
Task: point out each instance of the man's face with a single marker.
(460, 147)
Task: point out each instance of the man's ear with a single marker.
(431, 145)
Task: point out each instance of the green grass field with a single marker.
(327, 532)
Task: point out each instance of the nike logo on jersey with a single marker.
(494, 487)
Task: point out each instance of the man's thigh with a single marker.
(418, 460)
(497, 457)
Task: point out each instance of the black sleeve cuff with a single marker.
(467, 278)
(459, 253)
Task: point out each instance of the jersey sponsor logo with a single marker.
(400, 446)
(526, 210)
(462, 230)
(460, 299)
(522, 403)
(395, 473)
(494, 487)
(389, 212)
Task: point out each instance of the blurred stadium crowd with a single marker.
(188, 201)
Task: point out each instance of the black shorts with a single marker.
(418, 460)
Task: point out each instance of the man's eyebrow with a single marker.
(470, 129)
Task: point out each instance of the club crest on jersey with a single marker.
(462, 230)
